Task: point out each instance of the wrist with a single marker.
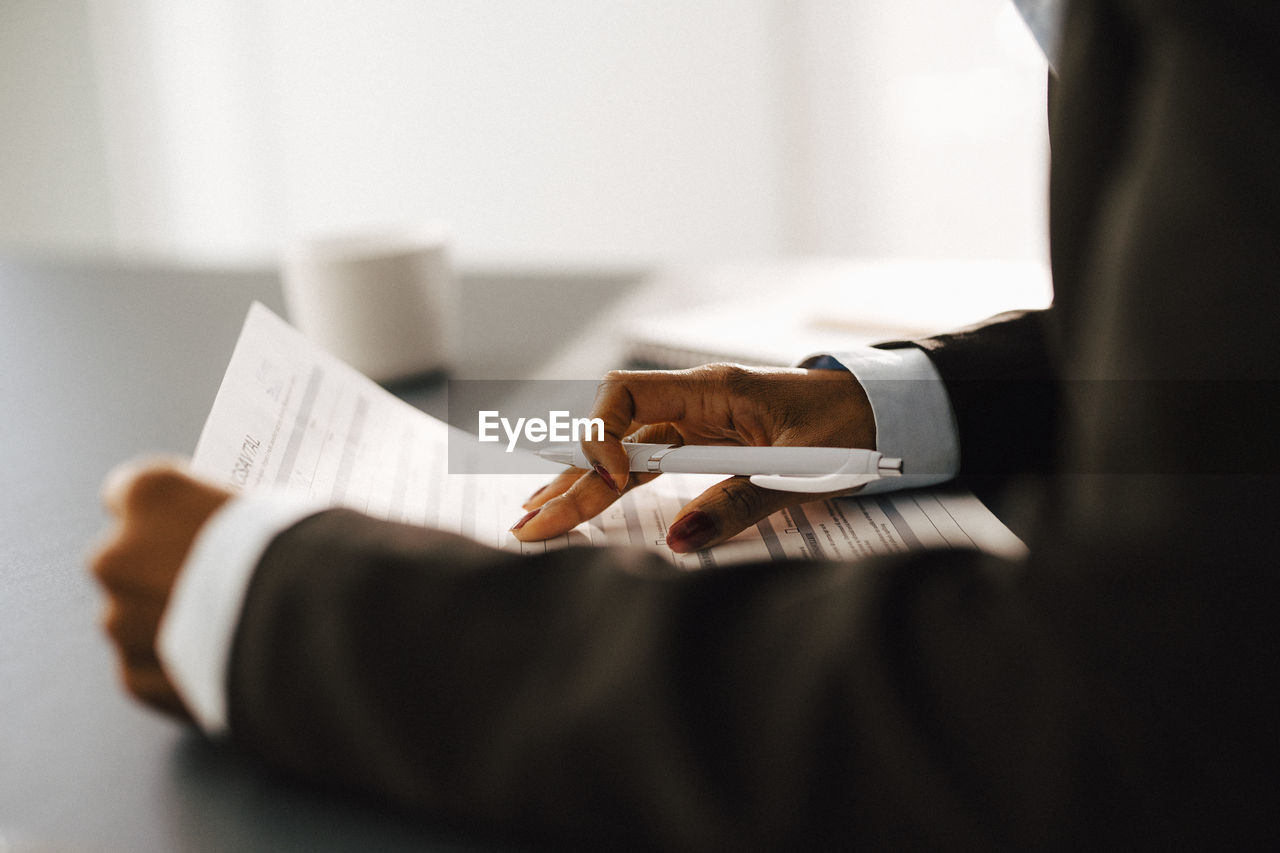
(842, 411)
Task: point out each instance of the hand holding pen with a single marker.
(718, 404)
(811, 470)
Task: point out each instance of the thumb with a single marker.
(725, 510)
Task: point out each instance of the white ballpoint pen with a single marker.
(789, 469)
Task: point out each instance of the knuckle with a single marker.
(714, 373)
(136, 680)
(612, 399)
(154, 487)
(740, 381)
(741, 499)
(109, 565)
(727, 369)
(133, 632)
(113, 622)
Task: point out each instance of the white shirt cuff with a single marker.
(199, 623)
(912, 411)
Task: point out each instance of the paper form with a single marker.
(290, 416)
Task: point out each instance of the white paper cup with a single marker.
(382, 302)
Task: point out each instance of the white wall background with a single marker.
(555, 131)
(53, 182)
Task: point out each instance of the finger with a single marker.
(150, 684)
(172, 491)
(555, 488)
(160, 508)
(129, 565)
(656, 434)
(125, 567)
(725, 510)
(590, 497)
(131, 623)
(629, 397)
(585, 499)
(121, 480)
(107, 557)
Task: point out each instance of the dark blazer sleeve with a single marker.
(1116, 690)
(1005, 392)
(604, 698)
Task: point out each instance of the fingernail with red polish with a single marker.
(604, 475)
(535, 494)
(522, 522)
(691, 532)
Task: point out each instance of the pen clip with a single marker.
(846, 477)
(812, 485)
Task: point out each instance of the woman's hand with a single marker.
(158, 510)
(713, 404)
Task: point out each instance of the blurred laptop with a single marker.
(776, 314)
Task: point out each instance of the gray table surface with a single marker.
(101, 361)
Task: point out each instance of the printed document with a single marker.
(290, 416)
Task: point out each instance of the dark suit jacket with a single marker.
(1115, 690)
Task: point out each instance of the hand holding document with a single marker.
(290, 416)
